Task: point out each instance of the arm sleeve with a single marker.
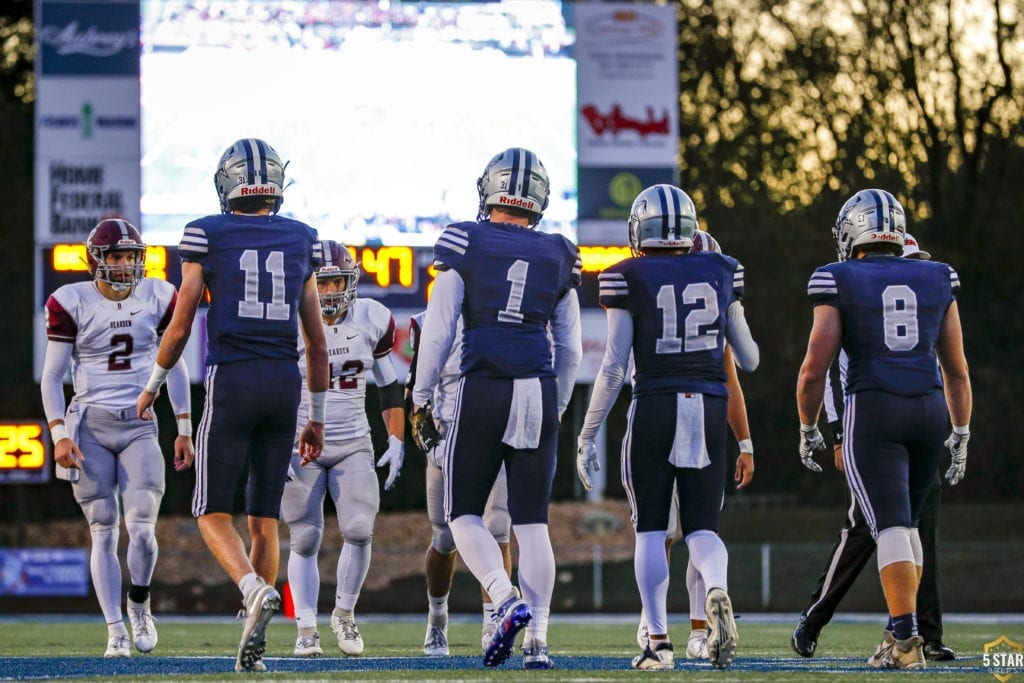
(612, 373)
(178, 389)
(568, 345)
(51, 382)
(744, 348)
(438, 333)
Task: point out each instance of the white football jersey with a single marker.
(353, 345)
(115, 342)
(444, 393)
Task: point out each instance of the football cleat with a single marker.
(697, 644)
(643, 636)
(877, 660)
(260, 605)
(535, 656)
(118, 646)
(436, 642)
(905, 654)
(512, 617)
(349, 640)
(804, 640)
(308, 645)
(487, 631)
(936, 651)
(143, 625)
(661, 658)
(722, 635)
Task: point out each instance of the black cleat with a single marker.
(935, 651)
(804, 640)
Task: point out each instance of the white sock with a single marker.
(710, 558)
(651, 568)
(537, 629)
(488, 611)
(304, 580)
(353, 564)
(695, 590)
(438, 613)
(142, 552)
(536, 565)
(248, 583)
(106, 572)
(116, 629)
(305, 620)
(480, 552)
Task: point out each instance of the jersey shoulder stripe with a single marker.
(822, 282)
(194, 242)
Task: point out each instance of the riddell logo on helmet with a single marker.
(516, 201)
(886, 237)
(262, 189)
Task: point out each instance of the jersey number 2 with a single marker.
(251, 306)
(696, 339)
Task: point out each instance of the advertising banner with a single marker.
(29, 572)
(87, 117)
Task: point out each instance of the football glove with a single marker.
(424, 431)
(810, 440)
(436, 455)
(586, 462)
(393, 458)
(957, 445)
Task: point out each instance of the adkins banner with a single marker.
(87, 116)
(628, 119)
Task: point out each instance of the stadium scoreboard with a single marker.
(24, 453)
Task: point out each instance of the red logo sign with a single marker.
(615, 121)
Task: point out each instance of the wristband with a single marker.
(962, 431)
(318, 406)
(184, 426)
(58, 432)
(807, 428)
(746, 446)
(156, 378)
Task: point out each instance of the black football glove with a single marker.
(424, 431)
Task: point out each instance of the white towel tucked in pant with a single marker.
(688, 447)
(526, 414)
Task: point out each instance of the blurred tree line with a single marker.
(786, 108)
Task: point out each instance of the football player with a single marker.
(360, 334)
(855, 545)
(257, 268)
(697, 642)
(892, 317)
(515, 288)
(107, 331)
(674, 312)
(439, 563)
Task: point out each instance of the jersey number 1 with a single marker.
(251, 306)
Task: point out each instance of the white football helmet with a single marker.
(911, 249)
(869, 217)
(514, 178)
(333, 260)
(249, 168)
(662, 217)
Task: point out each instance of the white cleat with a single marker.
(349, 640)
(722, 635)
(643, 636)
(697, 644)
(436, 642)
(308, 645)
(661, 658)
(487, 632)
(883, 651)
(143, 625)
(261, 604)
(118, 646)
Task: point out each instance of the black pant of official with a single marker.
(853, 550)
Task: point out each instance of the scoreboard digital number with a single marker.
(24, 453)
(399, 277)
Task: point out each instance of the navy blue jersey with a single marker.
(255, 268)
(678, 303)
(514, 277)
(891, 310)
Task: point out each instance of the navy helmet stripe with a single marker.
(514, 177)
(250, 169)
(880, 208)
(663, 202)
(527, 173)
(262, 147)
(677, 211)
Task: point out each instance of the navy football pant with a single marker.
(474, 452)
(249, 419)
